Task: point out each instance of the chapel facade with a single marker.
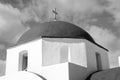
(57, 50)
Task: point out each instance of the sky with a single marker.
(101, 18)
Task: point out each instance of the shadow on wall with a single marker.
(89, 76)
(78, 72)
(38, 75)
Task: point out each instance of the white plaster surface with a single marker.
(91, 49)
(21, 75)
(34, 56)
(56, 72)
(65, 71)
(44, 58)
(52, 52)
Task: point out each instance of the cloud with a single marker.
(114, 9)
(10, 23)
(102, 36)
(76, 11)
(16, 3)
(78, 5)
(68, 10)
(107, 39)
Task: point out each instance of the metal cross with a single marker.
(55, 13)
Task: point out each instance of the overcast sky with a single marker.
(101, 18)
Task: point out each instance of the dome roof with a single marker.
(54, 29)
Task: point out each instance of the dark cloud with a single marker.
(20, 4)
(103, 2)
(105, 20)
(11, 24)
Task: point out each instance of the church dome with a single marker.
(54, 29)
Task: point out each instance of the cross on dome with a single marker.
(55, 14)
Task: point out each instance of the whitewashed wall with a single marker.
(34, 56)
(44, 56)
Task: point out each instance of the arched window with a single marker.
(23, 60)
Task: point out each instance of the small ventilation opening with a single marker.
(23, 60)
(98, 61)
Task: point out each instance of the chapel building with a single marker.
(56, 50)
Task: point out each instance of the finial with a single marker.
(55, 14)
